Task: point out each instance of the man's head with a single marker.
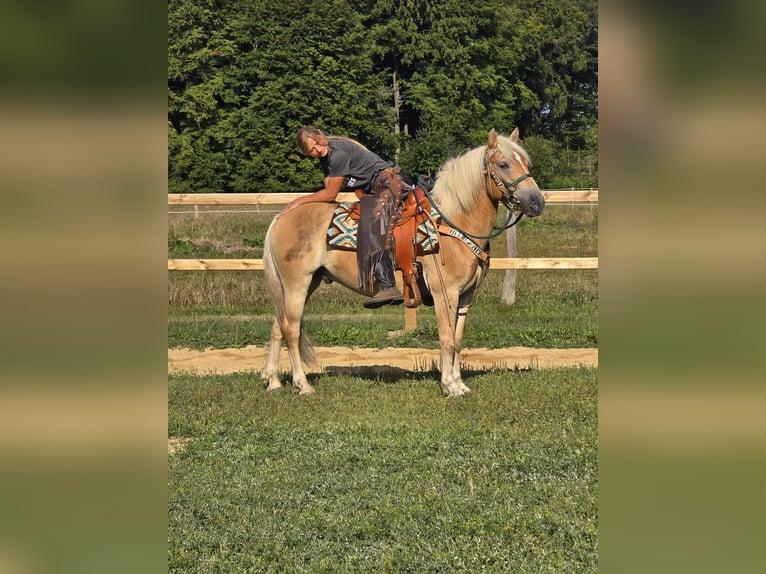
(312, 142)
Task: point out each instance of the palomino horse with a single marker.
(466, 194)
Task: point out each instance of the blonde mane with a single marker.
(460, 181)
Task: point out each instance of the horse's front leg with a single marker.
(451, 326)
(462, 314)
(270, 372)
(452, 379)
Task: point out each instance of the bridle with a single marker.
(506, 189)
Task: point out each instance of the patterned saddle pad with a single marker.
(343, 230)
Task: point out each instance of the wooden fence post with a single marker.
(410, 319)
(509, 280)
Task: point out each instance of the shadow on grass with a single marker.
(393, 375)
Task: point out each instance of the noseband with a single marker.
(507, 189)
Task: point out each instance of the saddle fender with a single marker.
(415, 210)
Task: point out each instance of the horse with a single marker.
(466, 193)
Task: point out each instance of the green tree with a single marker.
(201, 46)
(426, 78)
(312, 66)
(558, 70)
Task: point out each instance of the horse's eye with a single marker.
(503, 165)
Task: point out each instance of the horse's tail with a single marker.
(275, 285)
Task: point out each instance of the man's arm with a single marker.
(332, 186)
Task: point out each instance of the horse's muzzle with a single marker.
(531, 201)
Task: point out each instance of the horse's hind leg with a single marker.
(292, 331)
(270, 372)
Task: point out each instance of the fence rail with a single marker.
(550, 195)
(494, 263)
(589, 196)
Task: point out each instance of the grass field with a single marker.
(380, 474)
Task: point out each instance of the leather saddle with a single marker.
(403, 237)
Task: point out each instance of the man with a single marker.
(347, 163)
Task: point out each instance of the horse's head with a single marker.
(507, 175)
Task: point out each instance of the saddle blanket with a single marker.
(343, 230)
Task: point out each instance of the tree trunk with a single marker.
(397, 129)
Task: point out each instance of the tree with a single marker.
(559, 67)
(420, 80)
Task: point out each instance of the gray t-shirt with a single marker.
(357, 165)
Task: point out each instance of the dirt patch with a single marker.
(345, 359)
(176, 444)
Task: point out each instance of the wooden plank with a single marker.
(551, 196)
(509, 277)
(241, 198)
(569, 196)
(543, 263)
(215, 264)
(495, 263)
(410, 319)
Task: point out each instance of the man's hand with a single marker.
(289, 207)
(326, 195)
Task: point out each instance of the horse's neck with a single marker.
(479, 220)
(459, 180)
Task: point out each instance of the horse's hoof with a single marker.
(458, 393)
(273, 390)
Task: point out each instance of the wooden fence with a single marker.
(551, 197)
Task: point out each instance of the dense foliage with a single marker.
(416, 80)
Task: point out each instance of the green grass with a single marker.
(381, 474)
(553, 309)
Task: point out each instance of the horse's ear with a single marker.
(492, 139)
(515, 135)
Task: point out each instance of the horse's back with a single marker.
(299, 236)
(297, 242)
